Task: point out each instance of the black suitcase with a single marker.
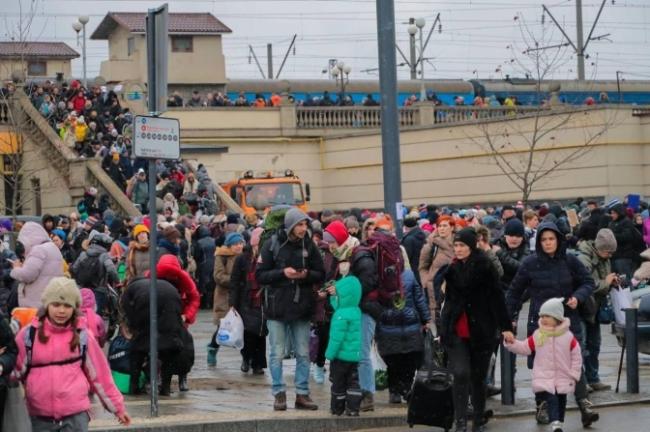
(431, 401)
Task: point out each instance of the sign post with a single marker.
(155, 138)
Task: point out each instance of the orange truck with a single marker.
(258, 192)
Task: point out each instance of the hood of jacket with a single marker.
(348, 290)
(619, 209)
(168, 267)
(293, 217)
(202, 232)
(224, 251)
(561, 241)
(32, 234)
(95, 250)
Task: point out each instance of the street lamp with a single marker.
(412, 30)
(419, 24)
(77, 26)
(341, 72)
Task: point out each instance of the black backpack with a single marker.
(91, 272)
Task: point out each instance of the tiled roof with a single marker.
(188, 23)
(37, 49)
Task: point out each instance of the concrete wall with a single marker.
(449, 164)
(54, 66)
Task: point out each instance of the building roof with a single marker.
(179, 23)
(37, 49)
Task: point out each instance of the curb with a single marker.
(319, 424)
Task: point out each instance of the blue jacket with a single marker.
(545, 277)
(399, 330)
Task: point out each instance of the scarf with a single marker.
(544, 333)
(343, 253)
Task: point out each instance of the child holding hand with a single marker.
(558, 362)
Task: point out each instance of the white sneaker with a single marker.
(556, 426)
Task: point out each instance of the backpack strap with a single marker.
(30, 336)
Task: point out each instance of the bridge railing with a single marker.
(348, 117)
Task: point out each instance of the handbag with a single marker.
(16, 417)
(605, 311)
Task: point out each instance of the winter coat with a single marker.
(442, 251)
(345, 329)
(203, 251)
(137, 260)
(110, 275)
(322, 310)
(44, 393)
(245, 294)
(363, 266)
(94, 322)
(224, 262)
(510, 260)
(473, 288)
(544, 277)
(628, 239)
(5, 266)
(558, 363)
(43, 261)
(135, 304)
(413, 241)
(399, 330)
(170, 270)
(646, 232)
(8, 357)
(287, 299)
(598, 267)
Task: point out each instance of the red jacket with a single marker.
(168, 268)
(79, 103)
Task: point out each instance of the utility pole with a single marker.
(269, 60)
(389, 117)
(251, 51)
(286, 55)
(581, 45)
(413, 56)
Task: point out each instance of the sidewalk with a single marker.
(223, 398)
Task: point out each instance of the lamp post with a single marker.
(412, 30)
(419, 27)
(341, 72)
(79, 25)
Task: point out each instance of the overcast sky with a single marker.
(473, 43)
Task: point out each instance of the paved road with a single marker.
(631, 418)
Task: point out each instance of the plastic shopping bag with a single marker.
(231, 330)
(381, 375)
(621, 299)
(16, 417)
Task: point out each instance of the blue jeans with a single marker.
(590, 350)
(366, 372)
(279, 333)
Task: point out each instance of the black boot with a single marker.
(588, 415)
(337, 403)
(461, 425)
(165, 385)
(182, 383)
(245, 366)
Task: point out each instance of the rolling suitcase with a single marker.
(431, 401)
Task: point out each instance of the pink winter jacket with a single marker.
(59, 391)
(94, 322)
(558, 362)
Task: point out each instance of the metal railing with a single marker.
(353, 117)
(460, 114)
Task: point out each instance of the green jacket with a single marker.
(345, 330)
(598, 267)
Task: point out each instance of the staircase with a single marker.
(77, 174)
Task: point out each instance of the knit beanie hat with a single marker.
(61, 290)
(514, 227)
(59, 233)
(605, 241)
(336, 232)
(554, 308)
(467, 236)
(233, 238)
(410, 221)
(139, 229)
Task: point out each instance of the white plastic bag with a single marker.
(231, 330)
(377, 361)
(621, 299)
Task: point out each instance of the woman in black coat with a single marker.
(8, 354)
(473, 315)
(551, 273)
(245, 296)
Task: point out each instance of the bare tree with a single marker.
(20, 31)
(530, 152)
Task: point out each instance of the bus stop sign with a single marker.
(156, 138)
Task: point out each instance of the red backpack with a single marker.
(389, 260)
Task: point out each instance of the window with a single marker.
(37, 68)
(261, 196)
(130, 46)
(182, 44)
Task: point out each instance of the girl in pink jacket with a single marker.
(60, 362)
(558, 362)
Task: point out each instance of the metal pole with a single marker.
(507, 384)
(413, 63)
(389, 117)
(423, 95)
(83, 48)
(632, 350)
(269, 60)
(580, 50)
(618, 86)
(286, 55)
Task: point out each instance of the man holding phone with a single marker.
(289, 266)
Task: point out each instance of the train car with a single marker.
(445, 90)
(570, 91)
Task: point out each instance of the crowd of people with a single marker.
(331, 289)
